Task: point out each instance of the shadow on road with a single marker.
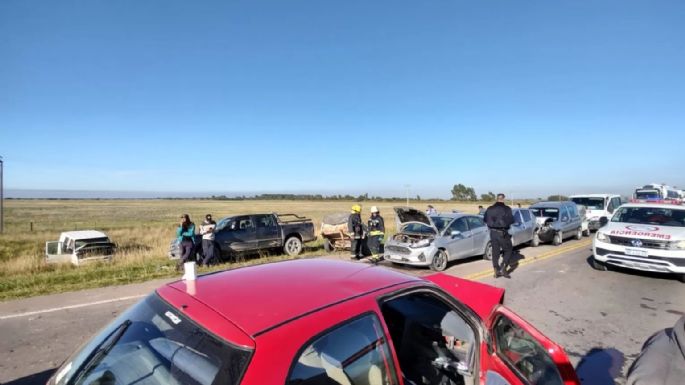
(637, 273)
(33, 379)
(600, 366)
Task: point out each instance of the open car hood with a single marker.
(408, 214)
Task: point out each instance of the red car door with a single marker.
(521, 354)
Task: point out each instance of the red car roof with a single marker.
(260, 297)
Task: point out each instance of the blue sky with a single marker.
(350, 96)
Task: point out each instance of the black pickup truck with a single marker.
(252, 233)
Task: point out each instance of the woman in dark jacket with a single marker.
(186, 238)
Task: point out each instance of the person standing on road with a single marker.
(186, 239)
(207, 231)
(499, 218)
(376, 227)
(356, 231)
(431, 210)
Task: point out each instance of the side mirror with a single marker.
(603, 221)
(455, 233)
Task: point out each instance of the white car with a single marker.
(78, 247)
(596, 207)
(643, 236)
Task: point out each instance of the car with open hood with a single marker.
(643, 236)
(557, 221)
(434, 240)
(317, 321)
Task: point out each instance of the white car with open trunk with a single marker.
(643, 236)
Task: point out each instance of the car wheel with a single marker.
(328, 246)
(439, 262)
(586, 232)
(487, 255)
(293, 246)
(597, 265)
(535, 242)
(579, 233)
(558, 239)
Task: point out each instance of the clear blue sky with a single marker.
(532, 97)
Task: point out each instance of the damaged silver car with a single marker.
(435, 240)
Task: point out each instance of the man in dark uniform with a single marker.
(499, 218)
(357, 232)
(376, 227)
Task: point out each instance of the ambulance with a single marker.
(643, 236)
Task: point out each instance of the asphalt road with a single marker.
(600, 318)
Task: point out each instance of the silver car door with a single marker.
(460, 244)
(517, 228)
(479, 233)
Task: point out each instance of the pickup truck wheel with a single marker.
(439, 262)
(535, 242)
(558, 239)
(328, 246)
(487, 255)
(597, 265)
(292, 246)
(579, 233)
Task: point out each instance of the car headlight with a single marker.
(678, 245)
(422, 243)
(601, 236)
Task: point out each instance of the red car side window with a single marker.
(355, 353)
(523, 353)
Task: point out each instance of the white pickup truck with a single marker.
(643, 236)
(80, 246)
(596, 207)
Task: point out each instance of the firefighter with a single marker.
(357, 232)
(376, 227)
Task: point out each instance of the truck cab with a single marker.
(79, 247)
(596, 207)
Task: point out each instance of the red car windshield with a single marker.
(152, 343)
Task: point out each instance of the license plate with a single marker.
(636, 252)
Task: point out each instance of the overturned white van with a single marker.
(79, 247)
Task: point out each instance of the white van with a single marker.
(596, 207)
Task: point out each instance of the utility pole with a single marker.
(2, 199)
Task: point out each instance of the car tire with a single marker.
(292, 246)
(586, 233)
(558, 239)
(328, 246)
(439, 262)
(579, 233)
(597, 265)
(487, 254)
(535, 242)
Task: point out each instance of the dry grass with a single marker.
(142, 230)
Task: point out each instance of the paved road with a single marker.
(601, 318)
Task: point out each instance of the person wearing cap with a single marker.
(357, 232)
(376, 227)
(207, 231)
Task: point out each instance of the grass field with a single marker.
(142, 230)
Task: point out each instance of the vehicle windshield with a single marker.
(441, 222)
(650, 216)
(223, 223)
(647, 194)
(591, 203)
(548, 212)
(417, 228)
(152, 343)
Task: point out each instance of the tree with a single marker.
(489, 197)
(463, 193)
(557, 198)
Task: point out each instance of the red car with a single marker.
(319, 322)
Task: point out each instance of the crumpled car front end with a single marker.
(411, 249)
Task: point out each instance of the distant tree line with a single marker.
(316, 197)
